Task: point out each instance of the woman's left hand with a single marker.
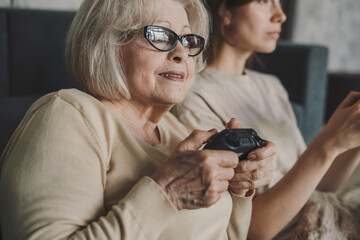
(254, 172)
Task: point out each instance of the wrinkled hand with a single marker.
(195, 179)
(256, 171)
(342, 131)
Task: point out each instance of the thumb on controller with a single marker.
(233, 123)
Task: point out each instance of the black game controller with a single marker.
(241, 141)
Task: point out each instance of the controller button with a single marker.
(252, 131)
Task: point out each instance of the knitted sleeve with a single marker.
(53, 179)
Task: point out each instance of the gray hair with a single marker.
(98, 30)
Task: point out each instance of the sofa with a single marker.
(32, 64)
(31, 61)
(302, 69)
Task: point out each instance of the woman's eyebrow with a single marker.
(170, 25)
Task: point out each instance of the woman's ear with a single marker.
(227, 18)
(224, 14)
(225, 26)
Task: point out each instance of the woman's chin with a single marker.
(177, 100)
(267, 49)
(172, 101)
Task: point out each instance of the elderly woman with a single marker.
(112, 163)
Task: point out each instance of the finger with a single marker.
(223, 158)
(233, 123)
(356, 106)
(195, 140)
(350, 99)
(250, 184)
(253, 175)
(226, 174)
(252, 165)
(269, 149)
(220, 158)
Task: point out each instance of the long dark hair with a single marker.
(216, 36)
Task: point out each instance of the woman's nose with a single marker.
(179, 54)
(278, 14)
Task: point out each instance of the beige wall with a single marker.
(48, 4)
(4, 3)
(333, 23)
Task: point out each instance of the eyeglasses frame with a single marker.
(178, 38)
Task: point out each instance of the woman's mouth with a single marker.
(173, 75)
(275, 35)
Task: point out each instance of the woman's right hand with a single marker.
(195, 179)
(342, 131)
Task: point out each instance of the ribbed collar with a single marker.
(216, 74)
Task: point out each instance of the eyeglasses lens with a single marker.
(165, 40)
(162, 39)
(192, 43)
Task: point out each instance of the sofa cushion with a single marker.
(302, 70)
(4, 66)
(37, 51)
(12, 111)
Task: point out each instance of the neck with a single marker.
(230, 60)
(139, 117)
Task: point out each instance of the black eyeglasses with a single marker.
(164, 39)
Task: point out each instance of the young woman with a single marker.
(304, 178)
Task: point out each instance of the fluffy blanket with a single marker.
(326, 216)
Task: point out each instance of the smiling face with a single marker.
(156, 77)
(255, 26)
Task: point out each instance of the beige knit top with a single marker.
(258, 100)
(74, 170)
